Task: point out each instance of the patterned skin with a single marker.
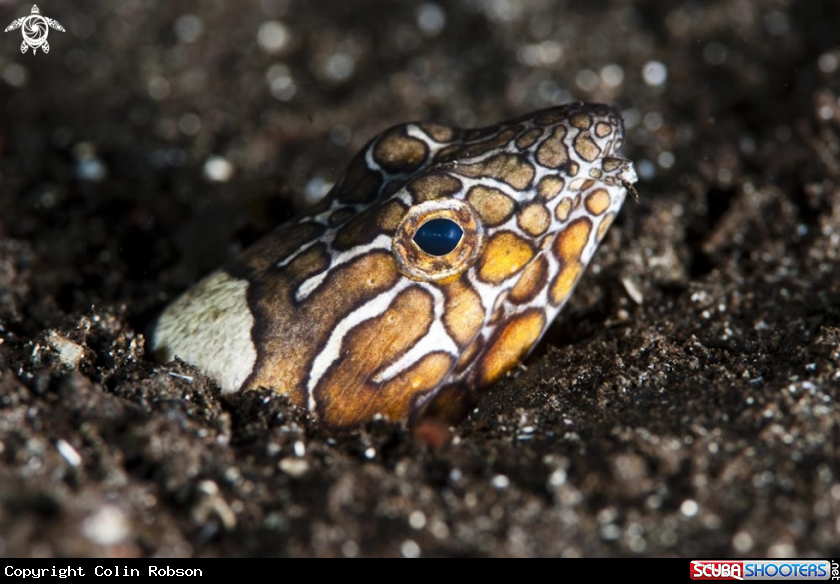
(344, 311)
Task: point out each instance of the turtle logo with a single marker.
(35, 30)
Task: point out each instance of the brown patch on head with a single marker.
(285, 331)
(447, 154)
(581, 121)
(552, 153)
(568, 247)
(509, 168)
(390, 215)
(610, 164)
(529, 138)
(602, 129)
(341, 215)
(466, 358)
(551, 116)
(571, 242)
(563, 209)
(534, 219)
(348, 393)
(438, 132)
(532, 280)
(436, 185)
(397, 152)
(494, 142)
(493, 206)
(359, 184)
(273, 249)
(586, 147)
(550, 186)
(510, 344)
(604, 226)
(313, 261)
(504, 254)
(362, 228)
(597, 201)
(464, 313)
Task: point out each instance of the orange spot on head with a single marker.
(605, 225)
(563, 209)
(349, 392)
(531, 281)
(534, 219)
(505, 254)
(510, 344)
(571, 242)
(569, 247)
(464, 313)
(550, 186)
(597, 201)
(493, 206)
(564, 282)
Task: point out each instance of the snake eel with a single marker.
(431, 268)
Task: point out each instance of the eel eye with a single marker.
(437, 240)
(438, 237)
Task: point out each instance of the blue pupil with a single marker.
(438, 237)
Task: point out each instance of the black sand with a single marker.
(685, 403)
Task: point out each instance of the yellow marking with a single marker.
(612, 164)
(494, 142)
(581, 121)
(390, 215)
(346, 394)
(604, 226)
(269, 251)
(397, 152)
(563, 209)
(359, 184)
(534, 219)
(586, 147)
(528, 139)
(493, 206)
(550, 186)
(565, 281)
(433, 186)
(438, 132)
(284, 352)
(577, 184)
(569, 247)
(602, 129)
(467, 355)
(551, 116)
(463, 313)
(508, 168)
(512, 343)
(552, 152)
(530, 282)
(598, 201)
(505, 254)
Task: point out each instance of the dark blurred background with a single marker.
(691, 408)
